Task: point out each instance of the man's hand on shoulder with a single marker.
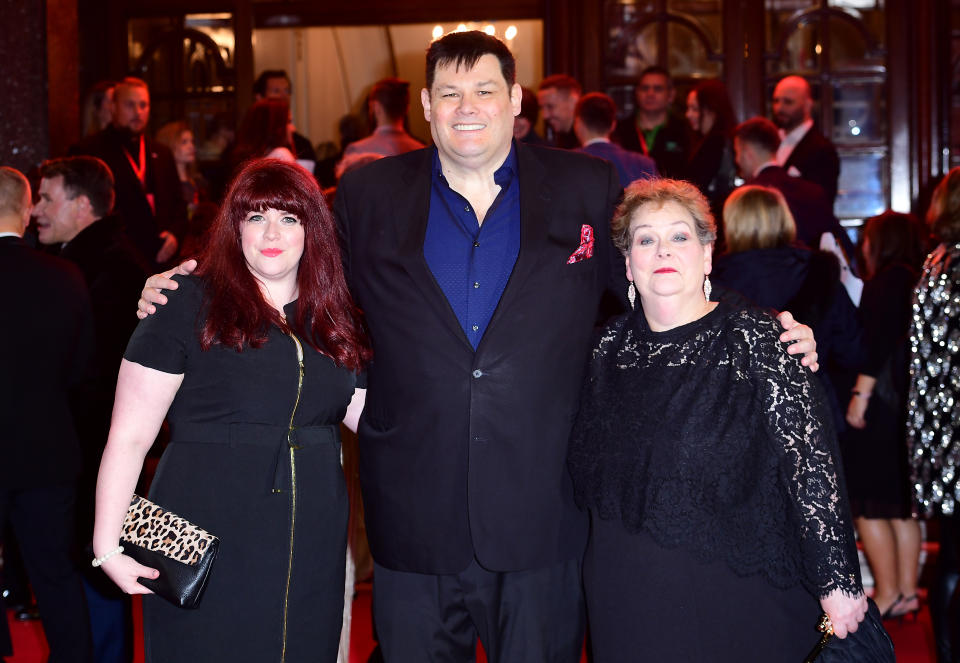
(800, 339)
(152, 290)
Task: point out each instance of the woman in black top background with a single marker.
(875, 445)
(712, 166)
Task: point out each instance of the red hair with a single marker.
(238, 315)
(264, 128)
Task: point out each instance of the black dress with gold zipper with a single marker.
(254, 457)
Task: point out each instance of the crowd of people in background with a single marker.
(755, 197)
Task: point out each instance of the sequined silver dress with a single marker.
(933, 422)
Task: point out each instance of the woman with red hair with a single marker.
(255, 361)
(266, 131)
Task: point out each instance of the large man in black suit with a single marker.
(755, 145)
(147, 185)
(479, 265)
(47, 339)
(803, 148)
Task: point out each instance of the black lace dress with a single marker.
(707, 461)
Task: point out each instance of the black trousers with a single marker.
(43, 521)
(534, 615)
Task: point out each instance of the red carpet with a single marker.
(913, 639)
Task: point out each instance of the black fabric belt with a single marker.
(262, 435)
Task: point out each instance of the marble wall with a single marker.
(24, 135)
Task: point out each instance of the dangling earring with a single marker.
(707, 288)
(632, 295)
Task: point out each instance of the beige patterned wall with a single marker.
(333, 68)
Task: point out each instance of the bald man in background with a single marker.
(803, 151)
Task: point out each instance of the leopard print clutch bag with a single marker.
(181, 551)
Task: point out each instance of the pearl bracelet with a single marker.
(97, 561)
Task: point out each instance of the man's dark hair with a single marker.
(561, 82)
(529, 106)
(260, 85)
(760, 132)
(597, 112)
(393, 94)
(659, 71)
(86, 176)
(464, 49)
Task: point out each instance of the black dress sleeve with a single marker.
(798, 424)
(164, 340)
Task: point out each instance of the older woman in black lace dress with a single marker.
(705, 457)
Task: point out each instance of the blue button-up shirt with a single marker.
(472, 262)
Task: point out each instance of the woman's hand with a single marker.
(856, 410)
(845, 612)
(124, 571)
(800, 337)
(152, 294)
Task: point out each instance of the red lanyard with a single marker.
(139, 169)
(643, 141)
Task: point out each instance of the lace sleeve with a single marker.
(801, 431)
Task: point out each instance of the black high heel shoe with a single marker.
(888, 613)
(898, 611)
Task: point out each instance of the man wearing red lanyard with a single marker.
(147, 186)
(653, 130)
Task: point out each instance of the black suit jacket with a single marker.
(463, 452)
(114, 274)
(809, 205)
(47, 341)
(143, 227)
(671, 149)
(816, 159)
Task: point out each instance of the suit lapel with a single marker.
(413, 194)
(535, 195)
(800, 149)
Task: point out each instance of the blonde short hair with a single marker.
(657, 192)
(14, 191)
(757, 217)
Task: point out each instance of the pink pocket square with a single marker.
(585, 250)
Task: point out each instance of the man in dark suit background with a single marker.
(595, 117)
(275, 84)
(74, 212)
(803, 150)
(654, 129)
(557, 97)
(47, 337)
(147, 185)
(755, 147)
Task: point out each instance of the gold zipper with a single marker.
(293, 492)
